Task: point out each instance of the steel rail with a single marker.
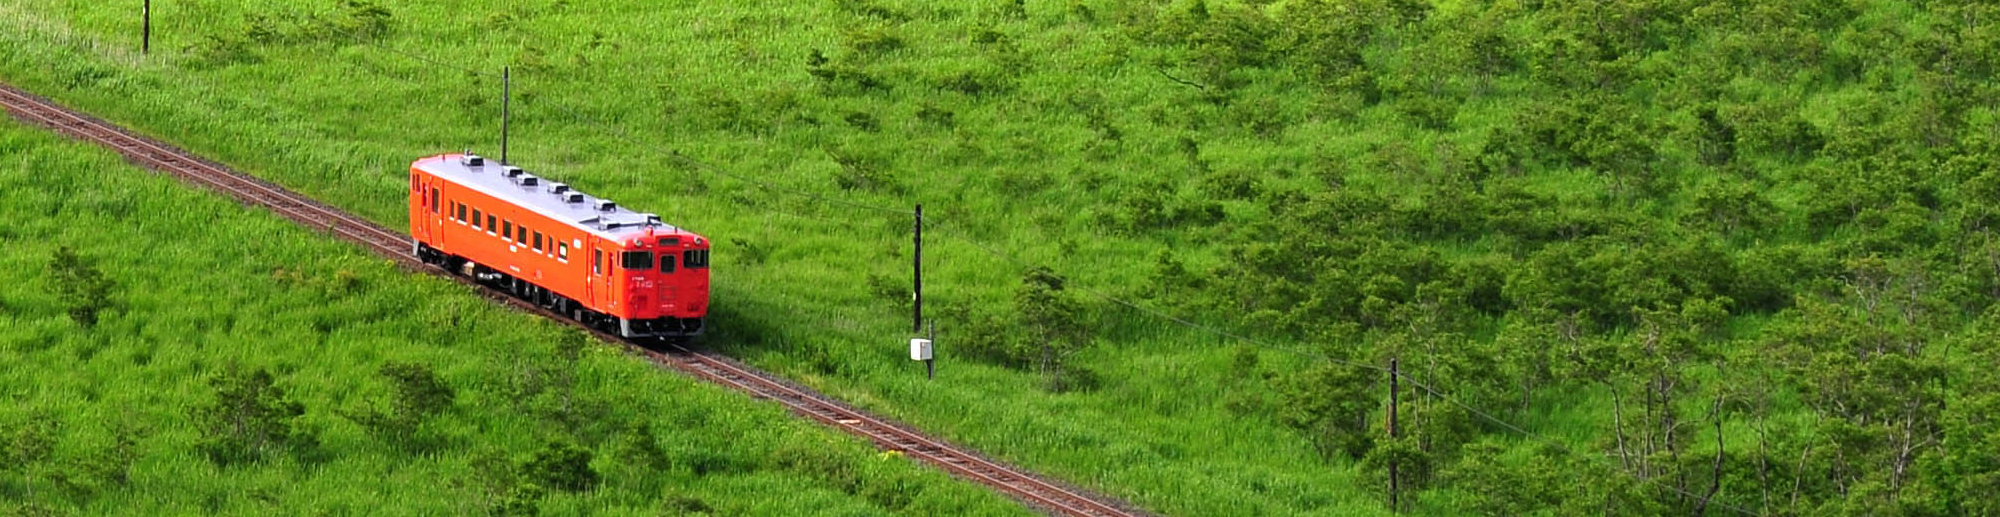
(182, 164)
(890, 436)
(1043, 494)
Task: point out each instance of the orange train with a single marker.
(585, 257)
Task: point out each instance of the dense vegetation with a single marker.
(158, 365)
(1697, 255)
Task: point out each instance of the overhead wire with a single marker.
(625, 137)
(673, 154)
(948, 231)
(1404, 376)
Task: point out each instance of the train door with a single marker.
(592, 270)
(603, 269)
(418, 228)
(607, 285)
(435, 219)
(669, 264)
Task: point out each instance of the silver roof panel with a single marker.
(617, 224)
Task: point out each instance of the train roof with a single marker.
(556, 200)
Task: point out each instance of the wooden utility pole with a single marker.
(146, 32)
(1394, 372)
(917, 275)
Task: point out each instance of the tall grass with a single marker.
(995, 120)
(203, 283)
(1056, 132)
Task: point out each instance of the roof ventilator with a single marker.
(513, 171)
(528, 180)
(558, 188)
(606, 206)
(472, 160)
(573, 197)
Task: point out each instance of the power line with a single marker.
(1426, 388)
(691, 162)
(623, 136)
(939, 226)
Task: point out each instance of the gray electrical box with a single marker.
(920, 349)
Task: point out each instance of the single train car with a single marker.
(585, 257)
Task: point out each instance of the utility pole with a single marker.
(917, 275)
(920, 347)
(506, 98)
(1394, 372)
(146, 33)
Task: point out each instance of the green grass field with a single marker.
(340, 129)
(202, 283)
(1689, 247)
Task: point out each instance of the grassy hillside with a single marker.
(118, 417)
(1699, 256)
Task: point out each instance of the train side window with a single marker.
(666, 262)
(435, 200)
(638, 260)
(597, 262)
(475, 219)
(538, 241)
(562, 251)
(492, 223)
(521, 235)
(506, 230)
(461, 212)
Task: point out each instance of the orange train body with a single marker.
(585, 257)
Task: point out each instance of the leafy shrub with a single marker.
(251, 419)
(83, 290)
(977, 82)
(751, 253)
(861, 172)
(841, 74)
(814, 457)
(863, 121)
(559, 465)
(892, 289)
(416, 396)
(872, 40)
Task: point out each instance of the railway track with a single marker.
(1041, 493)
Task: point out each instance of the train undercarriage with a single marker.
(659, 328)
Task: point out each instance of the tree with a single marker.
(1496, 486)
(251, 418)
(1971, 424)
(1053, 320)
(82, 288)
(1729, 206)
(1860, 363)
(1332, 403)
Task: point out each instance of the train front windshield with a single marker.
(638, 260)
